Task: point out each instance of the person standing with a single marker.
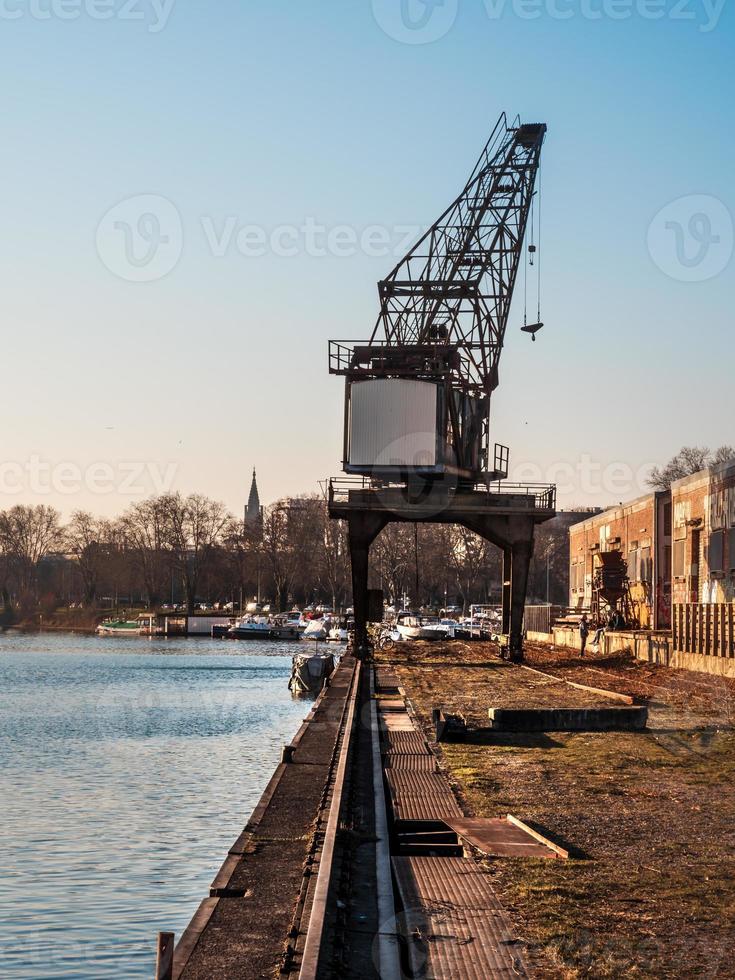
(584, 632)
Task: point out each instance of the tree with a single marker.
(87, 539)
(193, 527)
(333, 555)
(392, 555)
(144, 529)
(27, 536)
(290, 536)
(689, 459)
(468, 555)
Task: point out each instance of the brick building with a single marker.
(678, 545)
(640, 531)
(703, 557)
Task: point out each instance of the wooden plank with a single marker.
(498, 837)
(539, 837)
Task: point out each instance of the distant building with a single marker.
(253, 510)
(703, 562)
(636, 538)
(677, 546)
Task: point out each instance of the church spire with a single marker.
(252, 511)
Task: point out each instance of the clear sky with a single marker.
(230, 139)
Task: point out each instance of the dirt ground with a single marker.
(649, 818)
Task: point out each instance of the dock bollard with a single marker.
(165, 956)
(287, 754)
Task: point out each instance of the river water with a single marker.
(128, 766)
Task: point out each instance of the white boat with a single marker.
(309, 672)
(442, 630)
(410, 627)
(316, 629)
(295, 619)
(338, 634)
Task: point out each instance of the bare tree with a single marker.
(392, 560)
(192, 530)
(290, 534)
(332, 554)
(144, 528)
(87, 539)
(468, 554)
(689, 459)
(27, 536)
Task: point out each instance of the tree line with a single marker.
(187, 550)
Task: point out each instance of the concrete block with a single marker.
(623, 718)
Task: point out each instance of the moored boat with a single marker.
(309, 672)
(262, 629)
(119, 627)
(410, 627)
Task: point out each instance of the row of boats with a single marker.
(295, 626)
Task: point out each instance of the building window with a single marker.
(646, 566)
(679, 559)
(731, 550)
(716, 556)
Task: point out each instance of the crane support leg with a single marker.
(363, 530)
(507, 574)
(522, 552)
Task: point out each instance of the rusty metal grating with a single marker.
(411, 763)
(405, 743)
(420, 795)
(453, 923)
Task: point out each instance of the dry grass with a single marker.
(649, 817)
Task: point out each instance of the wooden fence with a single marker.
(704, 628)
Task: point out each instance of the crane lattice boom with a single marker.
(455, 286)
(444, 308)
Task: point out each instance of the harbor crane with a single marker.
(417, 393)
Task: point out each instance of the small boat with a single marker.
(316, 629)
(410, 627)
(262, 629)
(294, 618)
(221, 631)
(444, 629)
(309, 672)
(340, 632)
(119, 627)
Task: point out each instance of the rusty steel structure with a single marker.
(417, 393)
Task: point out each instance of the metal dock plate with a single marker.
(454, 924)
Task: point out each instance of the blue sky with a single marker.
(270, 115)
